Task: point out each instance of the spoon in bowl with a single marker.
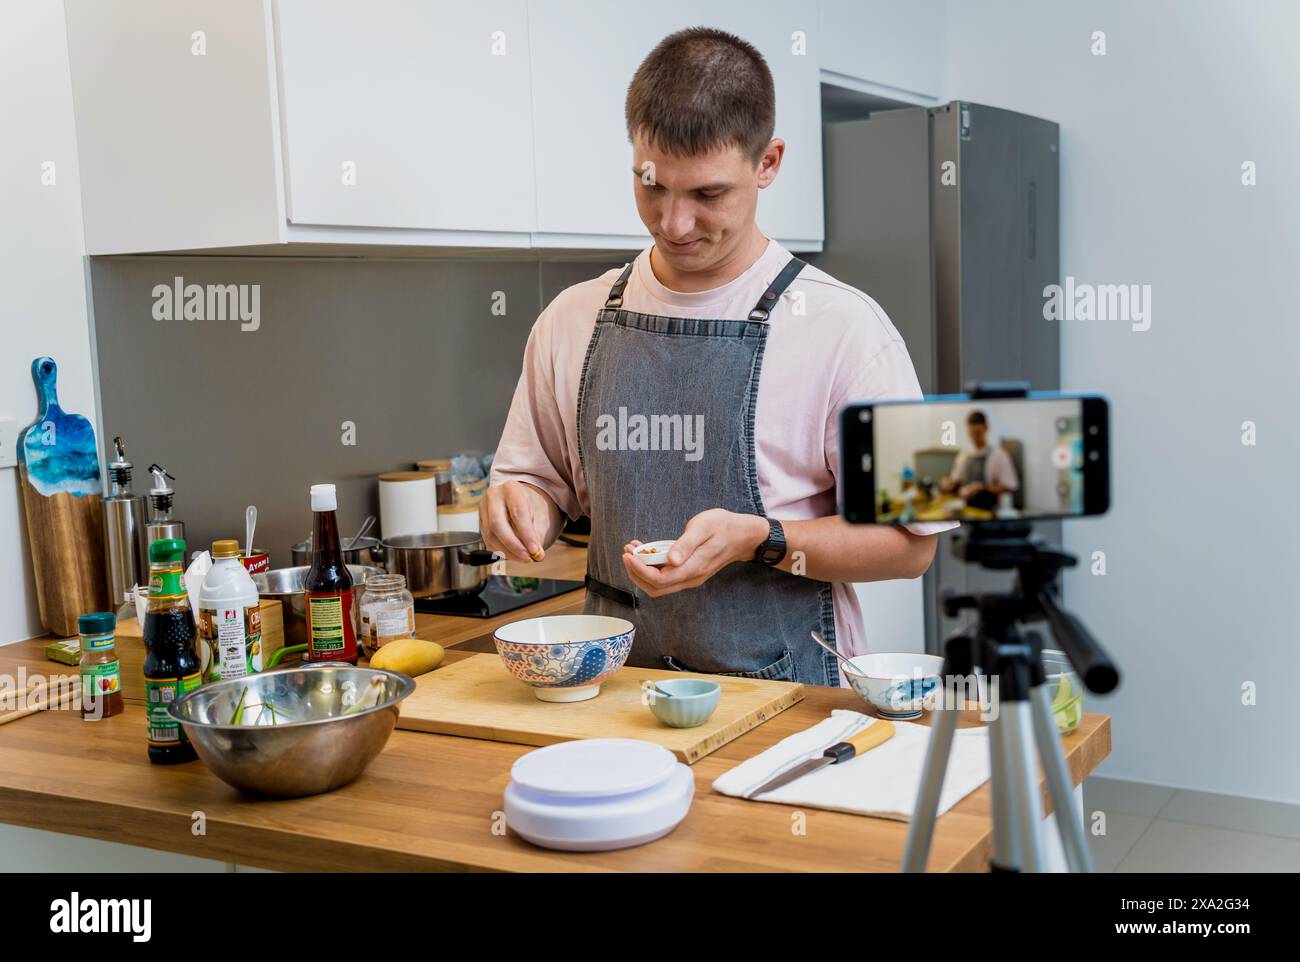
(250, 525)
(361, 533)
(834, 651)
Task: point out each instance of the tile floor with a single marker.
(1151, 828)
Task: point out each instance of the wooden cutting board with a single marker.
(477, 697)
(58, 467)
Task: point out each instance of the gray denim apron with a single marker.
(646, 481)
(974, 472)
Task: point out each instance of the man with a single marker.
(694, 395)
(983, 473)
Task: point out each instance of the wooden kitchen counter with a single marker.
(432, 801)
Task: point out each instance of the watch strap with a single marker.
(772, 551)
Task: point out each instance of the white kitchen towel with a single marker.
(884, 782)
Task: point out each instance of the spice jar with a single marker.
(387, 611)
(101, 677)
(441, 468)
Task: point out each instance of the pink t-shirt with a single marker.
(829, 345)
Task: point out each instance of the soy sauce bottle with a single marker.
(171, 661)
(331, 632)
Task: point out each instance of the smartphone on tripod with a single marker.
(997, 459)
(976, 458)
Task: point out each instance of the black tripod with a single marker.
(1011, 663)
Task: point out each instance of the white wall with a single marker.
(1201, 548)
(42, 282)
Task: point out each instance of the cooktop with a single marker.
(499, 594)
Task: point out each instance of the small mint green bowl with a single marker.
(693, 701)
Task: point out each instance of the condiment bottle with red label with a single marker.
(331, 631)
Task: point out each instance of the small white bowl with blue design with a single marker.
(897, 684)
(565, 658)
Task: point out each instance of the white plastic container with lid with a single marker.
(230, 617)
(597, 794)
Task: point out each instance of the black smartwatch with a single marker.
(771, 551)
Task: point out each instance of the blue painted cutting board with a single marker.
(58, 463)
(58, 449)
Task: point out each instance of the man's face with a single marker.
(700, 209)
(979, 433)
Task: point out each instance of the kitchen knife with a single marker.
(874, 734)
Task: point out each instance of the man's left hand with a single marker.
(712, 540)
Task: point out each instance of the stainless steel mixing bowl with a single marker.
(301, 731)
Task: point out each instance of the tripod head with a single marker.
(1002, 546)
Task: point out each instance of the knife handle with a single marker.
(874, 734)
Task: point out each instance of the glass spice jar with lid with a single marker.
(101, 676)
(387, 611)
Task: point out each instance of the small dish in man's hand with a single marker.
(653, 552)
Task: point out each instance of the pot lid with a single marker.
(594, 767)
(434, 539)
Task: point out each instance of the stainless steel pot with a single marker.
(365, 551)
(440, 564)
(285, 586)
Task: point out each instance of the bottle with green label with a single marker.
(171, 661)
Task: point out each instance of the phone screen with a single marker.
(975, 460)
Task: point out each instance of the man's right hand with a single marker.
(516, 519)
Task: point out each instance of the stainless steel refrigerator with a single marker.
(949, 217)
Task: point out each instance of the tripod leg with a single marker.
(920, 830)
(1069, 816)
(1020, 783)
(1006, 847)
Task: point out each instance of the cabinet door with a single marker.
(886, 43)
(584, 54)
(407, 114)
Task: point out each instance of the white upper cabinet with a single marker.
(891, 47)
(407, 114)
(267, 125)
(584, 53)
(177, 135)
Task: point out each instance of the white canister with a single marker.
(458, 517)
(408, 503)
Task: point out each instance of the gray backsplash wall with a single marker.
(408, 350)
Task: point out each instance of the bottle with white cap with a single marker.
(230, 620)
(331, 631)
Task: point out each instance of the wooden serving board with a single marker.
(477, 697)
(58, 467)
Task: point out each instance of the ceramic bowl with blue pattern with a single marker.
(565, 657)
(898, 684)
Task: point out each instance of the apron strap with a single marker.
(763, 309)
(615, 299)
(610, 593)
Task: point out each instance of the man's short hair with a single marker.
(977, 417)
(701, 89)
